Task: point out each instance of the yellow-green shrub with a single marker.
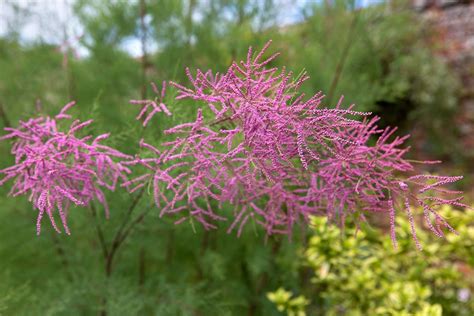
(360, 273)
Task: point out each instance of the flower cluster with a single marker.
(257, 146)
(59, 169)
(276, 156)
(156, 105)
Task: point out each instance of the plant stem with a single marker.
(141, 267)
(119, 237)
(62, 256)
(3, 115)
(121, 234)
(100, 233)
(345, 52)
(143, 40)
(144, 64)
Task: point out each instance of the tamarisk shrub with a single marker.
(278, 157)
(257, 146)
(58, 169)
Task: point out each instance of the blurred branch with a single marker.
(100, 233)
(345, 52)
(141, 266)
(143, 40)
(62, 256)
(122, 234)
(3, 115)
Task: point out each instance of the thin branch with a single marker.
(100, 233)
(3, 115)
(141, 267)
(129, 212)
(143, 40)
(121, 233)
(62, 256)
(138, 220)
(144, 64)
(345, 52)
(224, 119)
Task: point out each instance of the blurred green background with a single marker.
(387, 57)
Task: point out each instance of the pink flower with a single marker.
(57, 169)
(277, 157)
(153, 106)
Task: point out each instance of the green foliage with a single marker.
(294, 306)
(11, 296)
(26, 75)
(357, 273)
(185, 272)
(378, 59)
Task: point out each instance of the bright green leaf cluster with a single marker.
(360, 273)
(284, 300)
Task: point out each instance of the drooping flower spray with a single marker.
(277, 157)
(58, 169)
(258, 151)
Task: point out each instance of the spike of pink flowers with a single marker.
(62, 114)
(157, 105)
(280, 157)
(56, 168)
